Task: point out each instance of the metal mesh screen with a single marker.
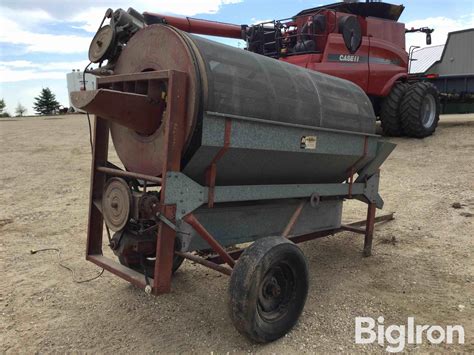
(252, 85)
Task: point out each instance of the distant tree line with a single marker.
(45, 104)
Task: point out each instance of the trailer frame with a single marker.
(173, 207)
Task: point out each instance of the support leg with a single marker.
(164, 255)
(369, 229)
(100, 151)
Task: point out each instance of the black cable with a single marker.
(34, 251)
(107, 14)
(108, 233)
(87, 113)
(90, 132)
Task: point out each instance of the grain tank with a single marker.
(219, 147)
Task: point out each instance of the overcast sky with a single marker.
(41, 41)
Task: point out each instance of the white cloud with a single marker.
(256, 21)
(41, 42)
(17, 64)
(91, 16)
(30, 34)
(89, 19)
(20, 70)
(28, 23)
(9, 75)
(442, 26)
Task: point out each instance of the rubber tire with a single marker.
(411, 110)
(246, 280)
(390, 111)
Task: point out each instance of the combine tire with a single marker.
(268, 289)
(420, 110)
(390, 111)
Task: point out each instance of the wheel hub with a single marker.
(276, 292)
(428, 111)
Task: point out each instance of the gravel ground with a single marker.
(422, 264)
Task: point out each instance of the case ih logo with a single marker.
(349, 58)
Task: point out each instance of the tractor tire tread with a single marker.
(390, 111)
(410, 110)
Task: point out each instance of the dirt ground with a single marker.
(423, 264)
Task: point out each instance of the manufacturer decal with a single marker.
(308, 142)
(352, 58)
(347, 58)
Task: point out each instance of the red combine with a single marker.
(360, 42)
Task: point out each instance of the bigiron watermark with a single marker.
(396, 337)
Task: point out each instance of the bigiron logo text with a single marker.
(398, 336)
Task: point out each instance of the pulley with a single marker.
(116, 203)
(102, 44)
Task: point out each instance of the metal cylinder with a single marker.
(231, 81)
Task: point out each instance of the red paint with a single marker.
(383, 59)
(203, 27)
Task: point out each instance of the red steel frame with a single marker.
(174, 122)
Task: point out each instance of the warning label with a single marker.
(308, 142)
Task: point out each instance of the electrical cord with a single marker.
(107, 14)
(87, 113)
(71, 270)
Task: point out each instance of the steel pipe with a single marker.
(198, 26)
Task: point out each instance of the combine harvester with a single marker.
(222, 147)
(358, 41)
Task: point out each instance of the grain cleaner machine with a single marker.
(222, 147)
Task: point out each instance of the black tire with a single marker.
(268, 289)
(390, 111)
(420, 110)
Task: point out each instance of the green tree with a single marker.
(20, 110)
(2, 108)
(45, 103)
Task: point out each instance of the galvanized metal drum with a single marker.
(233, 82)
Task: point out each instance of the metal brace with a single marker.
(166, 221)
